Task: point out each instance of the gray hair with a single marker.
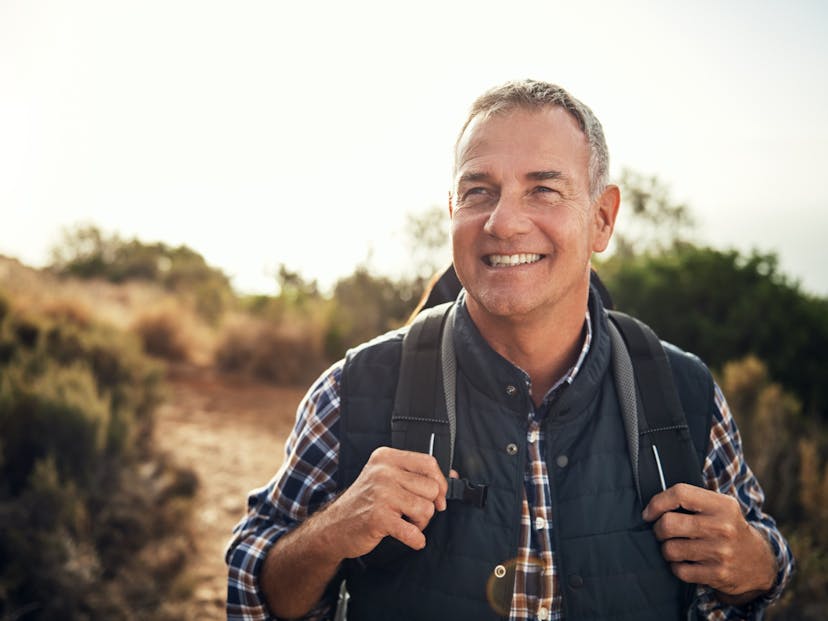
(533, 94)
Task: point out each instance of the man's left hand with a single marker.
(714, 544)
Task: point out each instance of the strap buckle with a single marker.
(466, 492)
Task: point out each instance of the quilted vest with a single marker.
(607, 558)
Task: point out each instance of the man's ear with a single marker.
(606, 210)
(450, 205)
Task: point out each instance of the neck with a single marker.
(545, 346)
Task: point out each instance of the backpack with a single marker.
(658, 437)
(423, 418)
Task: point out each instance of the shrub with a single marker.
(164, 335)
(270, 352)
(86, 252)
(83, 495)
(789, 454)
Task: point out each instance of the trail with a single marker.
(231, 432)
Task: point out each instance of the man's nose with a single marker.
(508, 218)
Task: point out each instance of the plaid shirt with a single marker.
(307, 481)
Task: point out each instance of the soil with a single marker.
(231, 432)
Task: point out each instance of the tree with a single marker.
(427, 239)
(652, 219)
(722, 306)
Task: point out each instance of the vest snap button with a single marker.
(499, 571)
(562, 461)
(575, 581)
(511, 390)
(512, 449)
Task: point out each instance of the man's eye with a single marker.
(542, 189)
(474, 193)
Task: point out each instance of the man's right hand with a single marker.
(396, 494)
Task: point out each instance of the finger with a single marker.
(680, 496)
(453, 474)
(673, 524)
(407, 533)
(421, 485)
(696, 573)
(419, 511)
(412, 461)
(684, 550)
(424, 487)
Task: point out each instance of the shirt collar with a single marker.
(570, 375)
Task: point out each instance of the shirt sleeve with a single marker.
(727, 472)
(305, 482)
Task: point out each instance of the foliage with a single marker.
(652, 220)
(723, 306)
(83, 498)
(318, 329)
(427, 240)
(789, 455)
(86, 252)
(269, 351)
(367, 305)
(164, 334)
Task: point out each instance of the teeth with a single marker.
(498, 260)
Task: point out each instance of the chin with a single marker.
(504, 305)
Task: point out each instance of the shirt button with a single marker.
(533, 437)
(540, 523)
(543, 614)
(499, 571)
(512, 449)
(562, 461)
(511, 390)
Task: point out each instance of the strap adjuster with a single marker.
(466, 492)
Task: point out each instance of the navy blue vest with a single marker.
(607, 558)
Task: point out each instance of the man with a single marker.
(563, 534)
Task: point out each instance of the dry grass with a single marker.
(279, 354)
(167, 325)
(175, 334)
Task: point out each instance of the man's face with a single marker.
(523, 225)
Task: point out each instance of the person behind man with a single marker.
(563, 534)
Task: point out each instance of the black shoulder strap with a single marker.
(423, 417)
(665, 451)
(420, 421)
(661, 449)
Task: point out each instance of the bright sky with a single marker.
(267, 132)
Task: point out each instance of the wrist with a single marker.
(762, 578)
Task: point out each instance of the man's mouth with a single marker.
(511, 260)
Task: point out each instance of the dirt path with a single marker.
(231, 431)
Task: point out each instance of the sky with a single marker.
(267, 133)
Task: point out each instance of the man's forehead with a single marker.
(532, 134)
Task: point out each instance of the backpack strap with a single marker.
(424, 415)
(419, 420)
(661, 448)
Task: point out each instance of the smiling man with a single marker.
(563, 534)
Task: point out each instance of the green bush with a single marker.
(723, 306)
(86, 252)
(82, 494)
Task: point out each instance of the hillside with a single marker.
(228, 429)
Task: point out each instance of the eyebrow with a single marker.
(472, 177)
(546, 175)
(539, 175)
